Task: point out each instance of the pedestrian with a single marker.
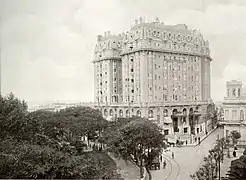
(186, 142)
(172, 155)
(161, 158)
(234, 153)
(164, 164)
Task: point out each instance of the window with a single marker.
(238, 92)
(165, 113)
(166, 132)
(105, 112)
(241, 115)
(127, 113)
(132, 70)
(111, 112)
(186, 130)
(234, 92)
(150, 114)
(158, 119)
(234, 114)
(139, 113)
(121, 113)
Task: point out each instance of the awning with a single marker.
(152, 119)
(196, 113)
(168, 120)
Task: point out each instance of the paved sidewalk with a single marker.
(225, 166)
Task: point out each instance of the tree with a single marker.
(210, 166)
(212, 114)
(135, 139)
(12, 116)
(83, 121)
(235, 135)
(238, 169)
(41, 145)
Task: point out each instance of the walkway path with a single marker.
(127, 170)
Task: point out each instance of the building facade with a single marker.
(234, 106)
(57, 106)
(157, 71)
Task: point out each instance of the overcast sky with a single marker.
(47, 45)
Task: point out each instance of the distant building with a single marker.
(60, 105)
(234, 106)
(157, 71)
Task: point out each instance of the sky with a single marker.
(47, 45)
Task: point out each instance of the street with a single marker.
(186, 159)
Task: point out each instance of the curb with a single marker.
(144, 175)
(210, 132)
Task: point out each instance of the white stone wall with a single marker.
(242, 129)
(234, 112)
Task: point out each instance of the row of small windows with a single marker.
(169, 35)
(138, 113)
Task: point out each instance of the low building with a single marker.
(234, 106)
(57, 106)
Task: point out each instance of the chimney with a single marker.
(99, 37)
(157, 20)
(141, 20)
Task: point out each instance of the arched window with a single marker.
(139, 113)
(165, 113)
(105, 112)
(150, 113)
(175, 111)
(127, 113)
(191, 110)
(121, 113)
(111, 112)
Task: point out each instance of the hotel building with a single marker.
(157, 71)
